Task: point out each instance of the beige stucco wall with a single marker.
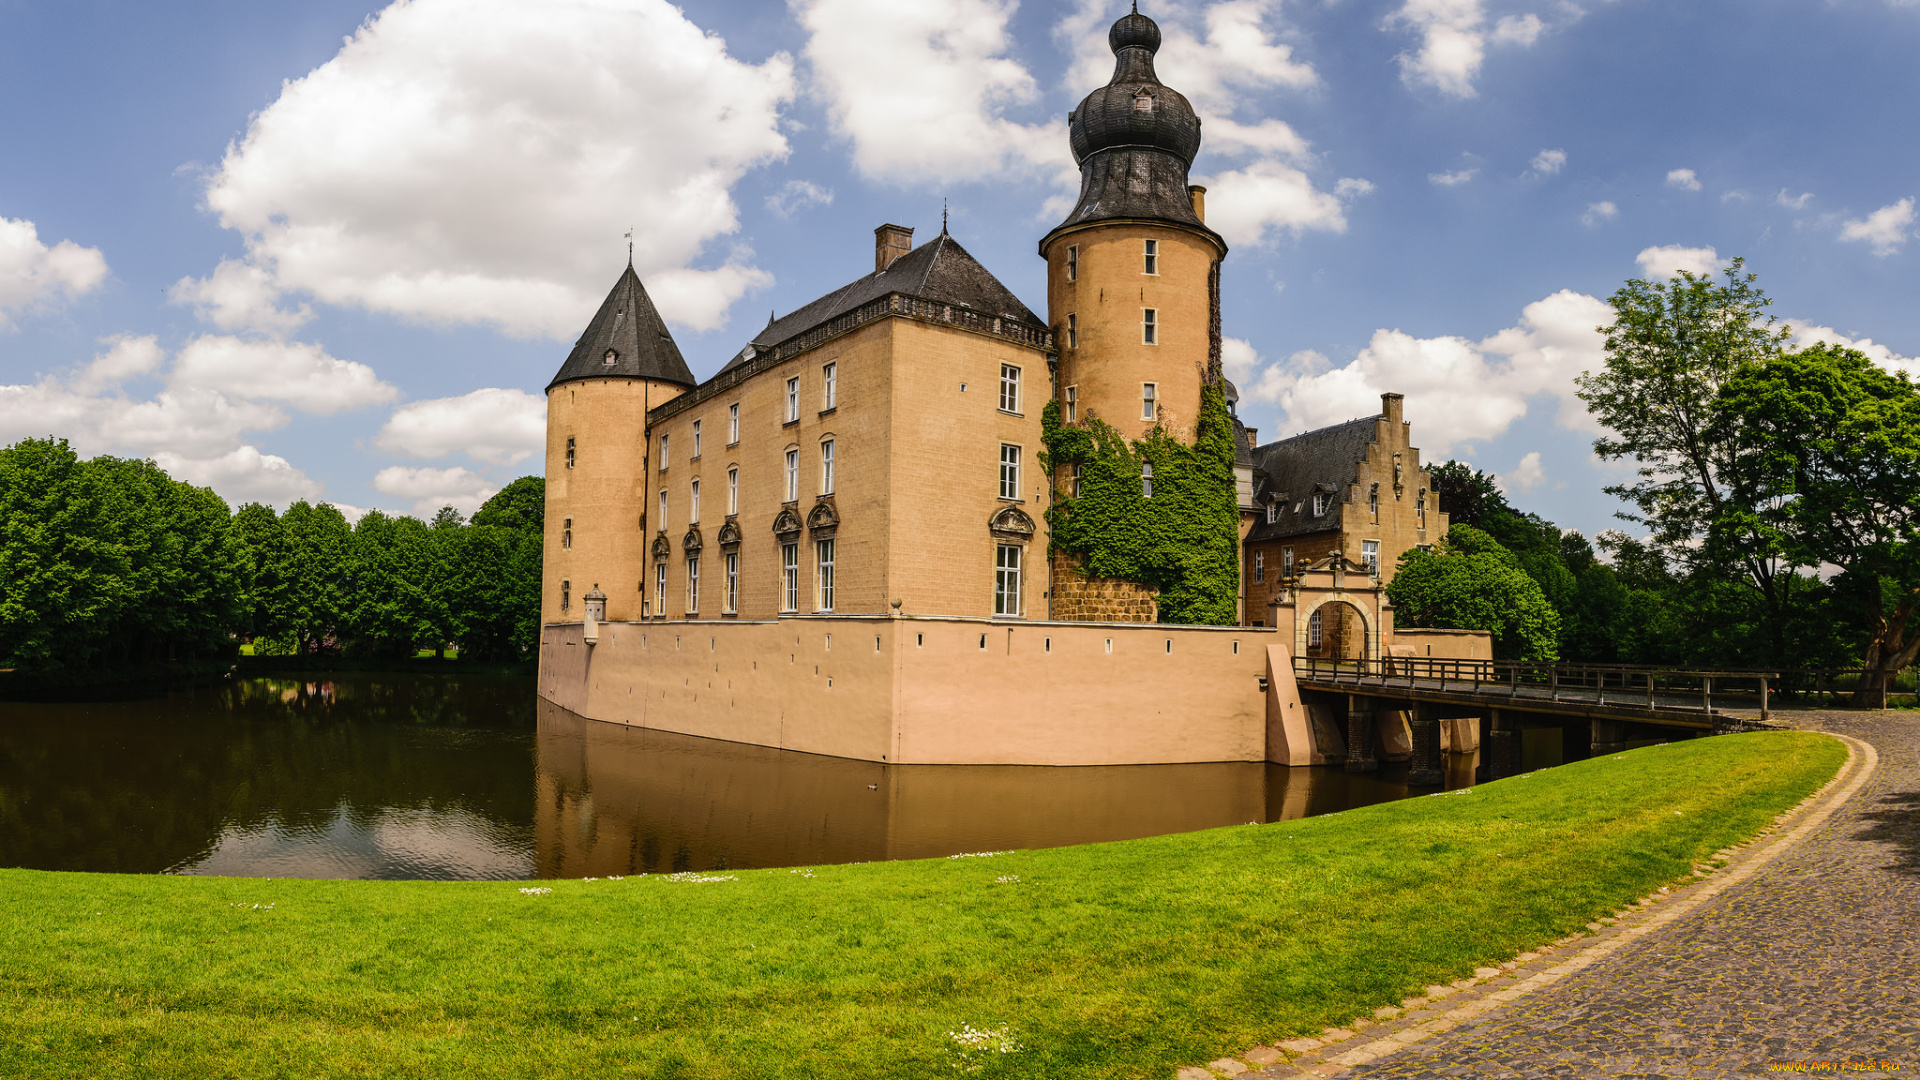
(925, 690)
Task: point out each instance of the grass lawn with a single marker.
(1109, 960)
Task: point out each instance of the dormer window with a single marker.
(610, 358)
(1273, 513)
(1320, 501)
(1143, 102)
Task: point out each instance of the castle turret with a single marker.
(1133, 271)
(598, 456)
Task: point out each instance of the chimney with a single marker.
(1390, 406)
(1253, 438)
(889, 243)
(1199, 196)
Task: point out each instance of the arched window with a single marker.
(1313, 628)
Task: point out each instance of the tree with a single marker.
(1473, 583)
(520, 505)
(1466, 495)
(263, 551)
(1670, 349)
(316, 572)
(1828, 451)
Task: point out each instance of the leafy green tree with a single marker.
(263, 550)
(384, 572)
(1828, 452)
(520, 505)
(1466, 495)
(1473, 583)
(316, 573)
(64, 576)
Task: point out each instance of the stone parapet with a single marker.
(1078, 598)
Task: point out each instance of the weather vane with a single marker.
(629, 245)
(943, 215)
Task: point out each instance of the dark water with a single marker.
(471, 776)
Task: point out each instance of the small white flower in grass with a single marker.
(1007, 879)
(540, 891)
(700, 879)
(802, 873)
(589, 879)
(610, 877)
(974, 1046)
(979, 854)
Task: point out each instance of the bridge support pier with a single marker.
(1361, 734)
(1609, 737)
(1425, 761)
(1499, 748)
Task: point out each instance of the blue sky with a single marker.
(336, 250)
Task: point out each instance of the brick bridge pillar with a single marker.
(1499, 748)
(1609, 737)
(1361, 734)
(1425, 768)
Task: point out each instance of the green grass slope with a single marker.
(1110, 960)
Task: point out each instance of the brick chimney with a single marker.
(1390, 406)
(889, 243)
(1199, 196)
(1253, 438)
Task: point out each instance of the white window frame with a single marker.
(566, 534)
(1151, 262)
(663, 453)
(1073, 262)
(1286, 562)
(1150, 326)
(660, 588)
(1370, 556)
(566, 595)
(732, 605)
(1010, 388)
(826, 466)
(696, 441)
(733, 491)
(1259, 566)
(1373, 502)
(1149, 401)
(1009, 471)
(693, 505)
(829, 385)
(790, 576)
(1420, 508)
(663, 510)
(793, 475)
(1073, 404)
(1007, 592)
(733, 423)
(1315, 629)
(1273, 513)
(1320, 502)
(1073, 330)
(570, 447)
(693, 584)
(793, 399)
(1146, 479)
(823, 553)
(1073, 481)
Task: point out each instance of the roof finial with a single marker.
(629, 247)
(943, 215)
(1136, 7)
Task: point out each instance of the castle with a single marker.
(1033, 521)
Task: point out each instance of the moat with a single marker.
(472, 776)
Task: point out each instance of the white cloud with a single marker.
(1271, 138)
(797, 195)
(499, 427)
(243, 475)
(431, 489)
(476, 161)
(239, 295)
(1792, 202)
(1806, 335)
(1452, 179)
(1457, 389)
(1524, 477)
(31, 273)
(126, 357)
(1352, 186)
(1684, 179)
(1599, 212)
(299, 374)
(1548, 162)
(1251, 205)
(1518, 29)
(1885, 228)
(1669, 261)
(1453, 41)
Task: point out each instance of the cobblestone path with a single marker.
(1814, 959)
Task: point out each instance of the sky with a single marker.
(333, 250)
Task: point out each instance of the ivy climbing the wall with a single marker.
(1184, 540)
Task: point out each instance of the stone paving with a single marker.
(1798, 952)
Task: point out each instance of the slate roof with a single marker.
(630, 325)
(1322, 460)
(939, 269)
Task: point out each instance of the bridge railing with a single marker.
(1620, 685)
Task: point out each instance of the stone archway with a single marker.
(1337, 628)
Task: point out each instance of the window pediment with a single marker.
(786, 525)
(1011, 523)
(729, 533)
(662, 547)
(691, 542)
(823, 519)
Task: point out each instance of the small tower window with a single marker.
(1143, 102)
(1073, 330)
(1146, 479)
(1073, 262)
(1149, 326)
(1420, 508)
(610, 358)
(1149, 401)
(1073, 404)
(566, 596)
(1152, 265)
(566, 533)
(569, 453)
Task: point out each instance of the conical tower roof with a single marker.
(627, 339)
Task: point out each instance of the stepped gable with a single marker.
(939, 270)
(629, 325)
(1322, 460)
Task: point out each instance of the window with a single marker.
(1420, 509)
(1073, 330)
(829, 383)
(1073, 262)
(733, 583)
(1073, 404)
(1073, 481)
(733, 423)
(1313, 629)
(663, 452)
(1146, 479)
(693, 505)
(566, 595)
(789, 577)
(1009, 388)
(1009, 471)
(1152, 257)
(1273, 513)
(1370, 555)
(1373, 502)
(1149, 393)
(733, 492)
(826, 467)
(569, 453)
(693, 584)
(793, 476)
(1006, 580)
(793, 399)
(1286, 562)
(610, 358)
(1259, 566)
(1149, 326)
(660, 589)
(1320, 501)
(663, 509)
(1143, 102)
(824, 578)
(566, 533)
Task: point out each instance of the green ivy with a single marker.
(1184, 541)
